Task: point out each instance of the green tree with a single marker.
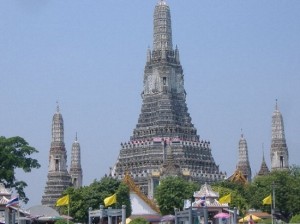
(286, 187)
(287, 192)
(15, 153)
(92, 196)
(295, 171)
(295, 219)
(123, 198)
(139, 220)
(171, 192)
(63, 222)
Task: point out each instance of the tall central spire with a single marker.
(162, 33)
(164, 120)
(164, 110)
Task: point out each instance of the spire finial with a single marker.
(57, 106)
(263, 151)
(76, 137)
(162, 2)
(242, 135)
(276, 104)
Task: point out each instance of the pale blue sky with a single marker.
(237, 56)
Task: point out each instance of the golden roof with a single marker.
(238, 177)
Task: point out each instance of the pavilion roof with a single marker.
(206, 191)
(238, 177)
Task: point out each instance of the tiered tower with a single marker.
(58, 176)
(164, 122)
(75, 169)
(243, 162)
(264, 170)
(279, 151)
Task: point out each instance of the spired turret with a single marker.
(243, 161)
(164, 118)
(279, 150)
(264, 170)
(75, 168)
(58, 176)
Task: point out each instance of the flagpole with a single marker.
(68, 209)
(272, 214)
(273, 202)
(18, 214)
(18, 206)
(68, 212)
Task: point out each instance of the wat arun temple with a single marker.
(165, 141)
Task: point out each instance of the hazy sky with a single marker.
(238, 57)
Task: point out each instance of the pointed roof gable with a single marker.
(137, 198)
(238, 177)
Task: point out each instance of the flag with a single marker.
(225, 199)
(110, 200)
(13, 201)
(65, 200)
(267, 200)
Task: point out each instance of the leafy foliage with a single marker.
(92, 196)
(286, 189)
(15, 153)
(295, 219)
(171, 192)
(139, 220)
(123, 198)
(63, 222)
